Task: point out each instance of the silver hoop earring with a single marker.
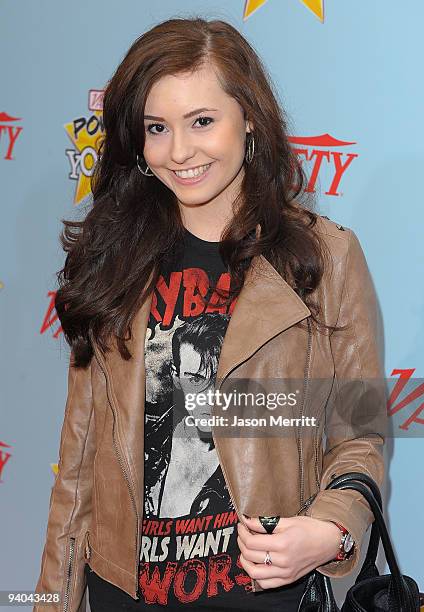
(146, 171)
(250, 150)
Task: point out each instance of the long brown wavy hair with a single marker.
(134, 221)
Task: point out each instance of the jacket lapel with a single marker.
(265, 306)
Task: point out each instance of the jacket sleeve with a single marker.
(356, 415)
(62, 563)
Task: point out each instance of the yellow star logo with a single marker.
(86, 137)
(316, 6)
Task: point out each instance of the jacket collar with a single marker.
(265, 306)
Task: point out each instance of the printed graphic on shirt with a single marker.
(189, 556)
(183, 476)
(190, 560)
(189, 551)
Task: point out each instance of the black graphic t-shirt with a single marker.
(189, 555)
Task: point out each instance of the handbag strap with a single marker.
(398, 590)
(370, 482)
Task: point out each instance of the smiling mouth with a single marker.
(192, 172)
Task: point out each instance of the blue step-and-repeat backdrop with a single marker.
(349, 75)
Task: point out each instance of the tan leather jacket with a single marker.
(96, 502)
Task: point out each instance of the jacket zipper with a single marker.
(307, 503)
(87, 550)
(222, 464)
(299, 440)
(213, 437)
(224, 472)
(124, 470)
(317, 480)
(71, 556)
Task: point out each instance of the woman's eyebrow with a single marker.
(186, 116)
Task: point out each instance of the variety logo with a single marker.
(4, 457)
(86, 134)
(405, 377)
(51, 317)
(321, 151)
(9, 133)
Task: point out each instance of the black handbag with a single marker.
(371, 592)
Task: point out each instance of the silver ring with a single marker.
(267, 560)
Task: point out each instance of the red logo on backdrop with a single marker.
(321, 151)
(392, 407)
(4, 457)
(95, 99)
(51, 317)
(9, 133)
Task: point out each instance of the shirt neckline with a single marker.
(209, 246)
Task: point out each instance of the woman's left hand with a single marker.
(297, 545)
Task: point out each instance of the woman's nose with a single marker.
(182, 148)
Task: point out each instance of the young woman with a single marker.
(202, 262)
